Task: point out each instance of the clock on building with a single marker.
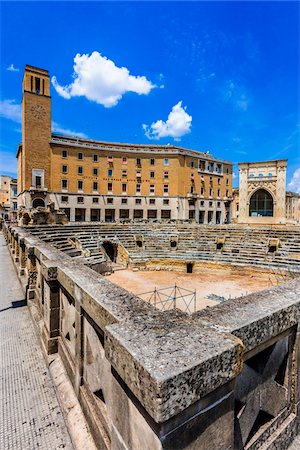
(38, 111)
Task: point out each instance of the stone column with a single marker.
(51, 313)
(280, 207)
(243, 195)
(22, 259)
(32, 274)
(17, 251)
(78, 341)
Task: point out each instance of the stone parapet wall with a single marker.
(223, 378)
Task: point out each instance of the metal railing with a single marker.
(172, 297)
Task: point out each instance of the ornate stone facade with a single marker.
(270, 177)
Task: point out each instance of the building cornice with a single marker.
(131, 148)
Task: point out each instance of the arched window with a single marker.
(38, 202)
(261, 204)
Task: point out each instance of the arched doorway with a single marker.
(261, 204)
(111, 250)
(38, 202)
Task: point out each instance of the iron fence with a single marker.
(172, 297)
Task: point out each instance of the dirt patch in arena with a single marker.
(211, 285)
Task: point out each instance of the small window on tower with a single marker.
(38, 181)
(37, 85)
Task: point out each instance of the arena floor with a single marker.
(210, 282)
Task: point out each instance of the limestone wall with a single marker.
(223, 378)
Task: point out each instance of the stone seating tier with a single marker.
(242, 245)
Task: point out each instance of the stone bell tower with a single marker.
(34, 153)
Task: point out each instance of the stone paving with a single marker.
(30, 415)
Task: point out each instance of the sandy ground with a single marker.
(227, 283)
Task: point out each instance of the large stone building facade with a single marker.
(262, 193)
(104, 181)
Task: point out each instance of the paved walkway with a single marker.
(30, 416)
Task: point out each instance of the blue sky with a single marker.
(212, 76)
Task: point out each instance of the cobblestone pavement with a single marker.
(30, 416)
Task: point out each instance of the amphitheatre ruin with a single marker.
(162, 324)
(211, 364)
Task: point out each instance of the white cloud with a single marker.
(98, 79)
(179, 122)
(236, 95)
(56, 128)
(294, 184)
(11, 110)
(12, 68)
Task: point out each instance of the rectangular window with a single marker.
(109, 173)
(166, 188)
(124, 160)
(95, 158)
(124, 173)
(227, 170)
(38, 181)
(165, 214)
(165, 201)
(124, 187)
(202, 203)
(152, 189)
(80, 199)
(138, 187)
(166, 175)
(37, 85)
(80, 155)
(219, 181)
(152, 174)
(80, 185)
(138, 162)
(64, 168)
(95, 200)
(210, 192)
(192, 164)
(95, 215)
(152, 201)
(218, 204)
(124, 201)
(64, 184)
(166, 162)
(138, 201)
(64, 198)
(110, 201)
(218, 194)
(95, 171)
(109, 187)
(80, 170)
(124, 213)
(152, 213)
(95, 186)
(227, 192)
(202, 191)
(152, 162)
(64, 153)
(227, 181)
(210, 204)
